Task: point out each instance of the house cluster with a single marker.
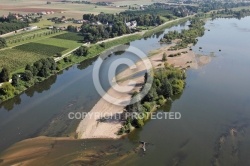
(131, 24)
(45, 13)
(81, 21)
(63, 28)
(29, 17)
(21, 17)
(64, 19)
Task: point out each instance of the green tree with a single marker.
(27, 75)
(4, 75)
(44, 72)
(15, 79)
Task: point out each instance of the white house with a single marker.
(131, 24)
(31, 28)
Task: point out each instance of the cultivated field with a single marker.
(27, 47)
(16, 58)
(71, 10)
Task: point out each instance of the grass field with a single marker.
(30, 36)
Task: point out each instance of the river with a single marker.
(214, 127)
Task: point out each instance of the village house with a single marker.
(131, 24)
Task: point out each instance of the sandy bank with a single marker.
(93, 127)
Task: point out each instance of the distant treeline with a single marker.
(206, 7)
(233, 13)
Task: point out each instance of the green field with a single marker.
(31, 36)
(69, 36)
(15, 59)
(68, 44)
(38, 48)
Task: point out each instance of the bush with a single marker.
(161, 102)
(147, 106)
(82, 51)
(4, 75)
(103, 45)
(7, 90)
(164, 57)
(138, 123)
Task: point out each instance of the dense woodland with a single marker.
(167, 81)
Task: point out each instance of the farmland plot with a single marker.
(68, 44)
(16, 59)
(42, 49)
(70, 36)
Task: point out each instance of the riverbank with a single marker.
(96, 50)
(92, 127)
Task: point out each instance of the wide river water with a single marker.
(215, 105)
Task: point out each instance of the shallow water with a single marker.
(215, 100)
